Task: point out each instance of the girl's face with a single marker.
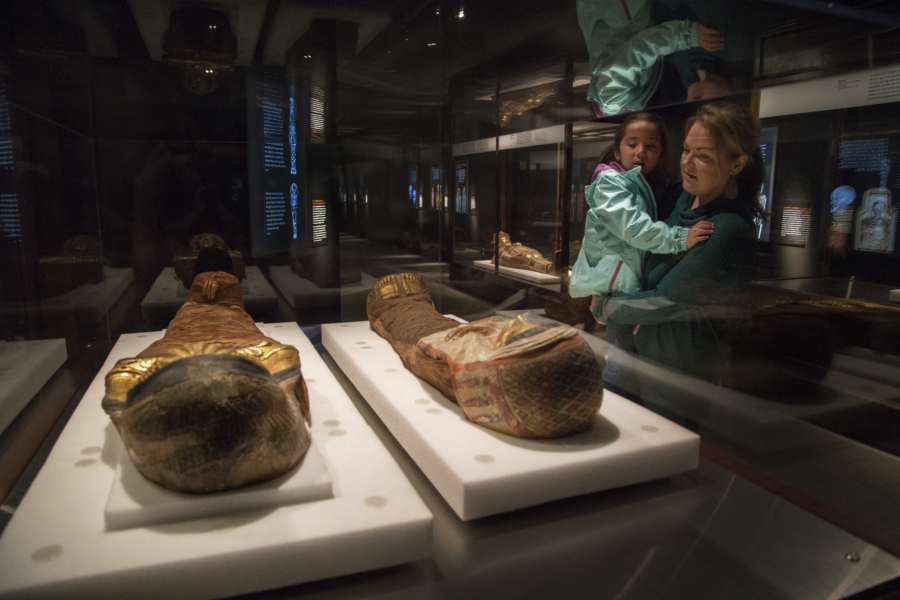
(640, 147)
(704, 170)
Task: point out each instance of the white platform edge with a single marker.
(56, 545)
(531, 276)
(628, 444)
(25, 367)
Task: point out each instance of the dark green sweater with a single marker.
(692, 300)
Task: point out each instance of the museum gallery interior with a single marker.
(450, 299)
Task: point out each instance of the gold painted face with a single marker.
(131, 371)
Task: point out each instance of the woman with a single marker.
(692, 299)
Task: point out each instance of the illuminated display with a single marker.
(768, 139)
(795, 222)
(294, 191)
(317, 114)
(319, 224)
(462, 204)
(278, 213)
(413, 187)
(436, 187)
(292, 138)
(10, 219)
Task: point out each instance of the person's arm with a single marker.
(704, 276)
(615, 211)
(617, 81)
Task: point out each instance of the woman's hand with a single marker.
(709, 38)
(699, 232)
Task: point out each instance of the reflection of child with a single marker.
(620, 224)
(625, 51)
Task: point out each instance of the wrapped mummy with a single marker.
(214, 404)
(521, 377)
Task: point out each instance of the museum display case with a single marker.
(746, 444)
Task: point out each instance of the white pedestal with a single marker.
(168, 294)
(521, 274)
(134, 501)
(480, 472)
(24, 369)
(304, 294)
(56, 544)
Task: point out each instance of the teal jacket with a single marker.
(693, 301)
(618, 231)
(625, 71)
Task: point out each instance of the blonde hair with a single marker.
(735, 131)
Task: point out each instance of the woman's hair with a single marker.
(735, 131)
(609, 154)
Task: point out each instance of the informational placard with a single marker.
(522, 139)
(277, 163)
(10, 215)
(319, 222)
(316, 114)
(795, 222)
(768, 139)
(862, 88)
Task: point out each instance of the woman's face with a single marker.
(704, 169)
(640, 147)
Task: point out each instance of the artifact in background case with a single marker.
(517, 256)
(81, 262)
(184, 263)
(521, 377)
(214, 404)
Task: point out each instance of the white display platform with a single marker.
(521, 274)
(135, 501)
(24, 369)
(304, 294)
(168, 294)
(56, 544)
(91, 299)
(480, 472)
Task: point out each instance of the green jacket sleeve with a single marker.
(626, 80)
(707, 275)
(616, 212)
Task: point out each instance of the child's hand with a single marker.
(709, 39)
(699, 232)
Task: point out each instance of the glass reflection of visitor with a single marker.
(625, 52)
(693, 301)
(841, 216)
(875, 224)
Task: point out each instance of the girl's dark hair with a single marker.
(735, 131)
(609, 154)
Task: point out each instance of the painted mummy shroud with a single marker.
(519, 377)
(214, 404)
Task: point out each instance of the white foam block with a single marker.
(480, 472)
(24, 369)
(57, 545)
(894, 296)
(532, 276)
(134, 501)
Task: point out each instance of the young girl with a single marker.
(620, 225)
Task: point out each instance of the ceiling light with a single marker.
(433, 44)
(462, 13)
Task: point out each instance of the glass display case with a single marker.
(324, 146)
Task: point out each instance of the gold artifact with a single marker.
(521, 377)
(80, 262)
(517, 256)
(214, 404)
